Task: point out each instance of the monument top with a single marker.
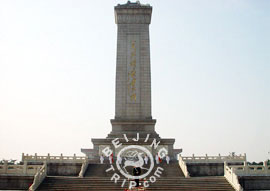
(133, 13)
(133, 75)
(136, 4)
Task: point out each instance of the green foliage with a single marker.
(10, 162)
(255, 163)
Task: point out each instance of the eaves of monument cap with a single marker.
(134, 5)
(87, 150)
(178, 150)
(133, 13)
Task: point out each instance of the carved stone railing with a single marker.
(53, 159)
(183, 166)
(232, 177)
(39, 177)
(252, 170)
(83, 168)
(19, 170)
(214, 159)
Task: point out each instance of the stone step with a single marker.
(99, 170)
(162, 184)
(172, 178)
(13, 182)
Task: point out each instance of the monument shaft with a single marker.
(133, 76)
(133, 73)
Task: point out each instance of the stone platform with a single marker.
(152, 144)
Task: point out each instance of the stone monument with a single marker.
(133, 128)
(133, 119)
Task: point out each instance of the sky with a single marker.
(210, 64)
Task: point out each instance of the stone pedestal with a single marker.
(132, 127)
(100, 144)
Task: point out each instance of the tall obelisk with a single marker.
(133, 73)
(133, 76)
(133, 118)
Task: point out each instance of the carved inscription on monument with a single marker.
(133, 72)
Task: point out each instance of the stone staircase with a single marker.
(172, 178)
(162, 184)
(99, 170)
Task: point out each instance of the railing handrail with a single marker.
(49, 158)
(219, 158)
(18, 169)
(184, 168)
(83, 168)
(249, 170)
(39, 177)
(232, 178)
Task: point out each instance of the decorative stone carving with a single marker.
(133, 19)
(133, 13)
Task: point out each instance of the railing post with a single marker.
(246, 168)
(265, 167)
(25, 167)
(35, 156)
(61, 157)
(38, 178)
(225, 168)
(48, 157)
(193, 157)
(22, 156)
(45, 167)
(74, 157)
(5, 166)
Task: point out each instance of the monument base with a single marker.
(127, 132)
(132, 127)
(152, 144)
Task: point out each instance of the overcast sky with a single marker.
(210, 62)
